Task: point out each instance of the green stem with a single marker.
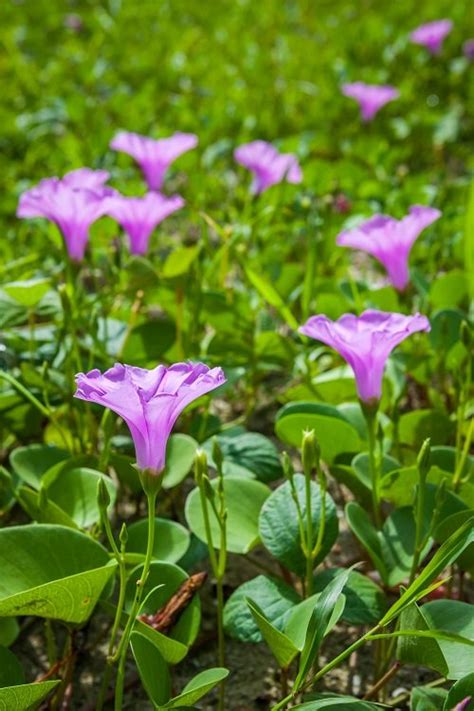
(463, 457)
(309, 537)
(371, 419)
(420, 508)
(309, 275)
(122, 650)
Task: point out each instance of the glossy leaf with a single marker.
(25, 697)
(198, 687)
(171, 539)
(244, 499)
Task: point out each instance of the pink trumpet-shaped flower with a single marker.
(268, 165)
(462, 705)
(73, 203)
(370, 97)
(149, 401)
(390, 240)
(139, 216)
(154, 156)
(365, 342)
(431, 35)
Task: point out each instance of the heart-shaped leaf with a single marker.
(74, 491)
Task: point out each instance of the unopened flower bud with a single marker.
(103, 496)
(310, 452)
(200, 465)
(423, 461)
(217, 455)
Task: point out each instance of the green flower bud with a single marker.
(217, 455)
(200, 465)
(288, 468)
(423, 461)
(310, 452)
(123, 536)
(103, 496)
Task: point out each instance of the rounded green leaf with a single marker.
(180, 453)
(171, 539)
(243, 500)
(334, 433)
(273, 596)
(279, 529)
(75, 492)
(248, 454)
(51, 571)
(33, 461)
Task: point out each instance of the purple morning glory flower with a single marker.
(463, 704)
(370, 97)
(73, 203)
(365, 342)
(149, 401)
(139, 216)
(468, 49)
(268, 165)
(154, 156)
(432, 34)
(390, 240)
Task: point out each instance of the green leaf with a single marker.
(248, 454)
(365, 531)
(268, 292)
(25, 697)
(448, 552)
(448, 290)
(414, 427)
(463, 688)
(298, 621)
(42, 510)
(391, 549)
(280, 644)
(425, 699)
(365, 600)
(180, 261)
(27, 293)
(51, 571)
(318, 624)
(33, 461)
(198, 687)
(164, 580)
(126, 472)
(75, 492)
(180, 453)
(273, 596)
(243, 500)
(339, 703)
(152, 668)
(334, 433)
(278, 524)
(9, 630)
(11, 671)
(171, 539)
(148, 342)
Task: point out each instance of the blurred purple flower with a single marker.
(468, 49)
(390, 240)
(153, 156)
(463, 704)
(139, 216)
(432, 34)
(73, 203)
(370, 97)
(149, 401)
(268, 165)
(365, 342)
